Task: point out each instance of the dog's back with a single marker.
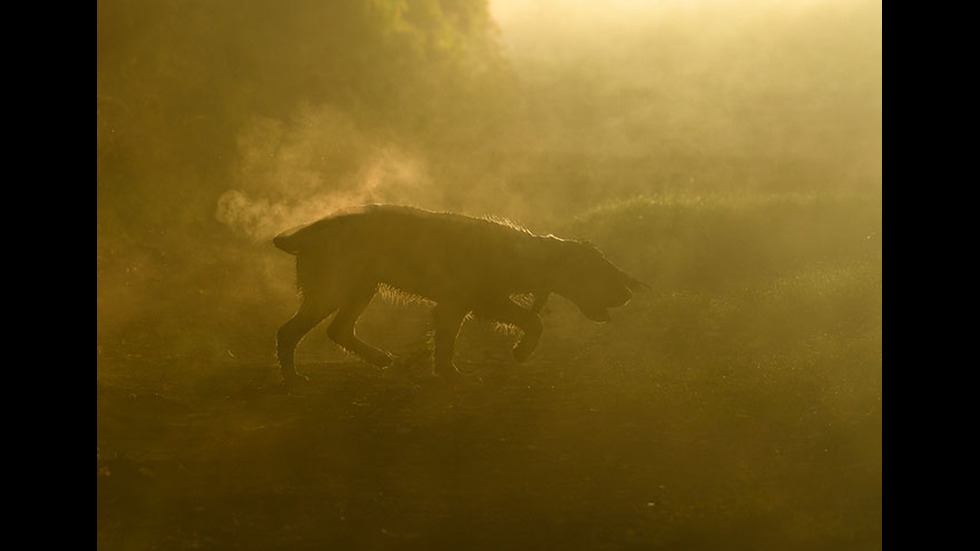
(437, 256)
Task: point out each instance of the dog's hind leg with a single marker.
(448, 319)
(310, 313)
(341, 329)
(528, 321)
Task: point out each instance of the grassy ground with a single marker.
(737, 405)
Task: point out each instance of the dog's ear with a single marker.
(634, 284)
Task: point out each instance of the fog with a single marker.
(749, 94)
(726, 152)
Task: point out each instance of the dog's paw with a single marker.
(292, 379)
(448, 372)
(380, 358)
(523, 350)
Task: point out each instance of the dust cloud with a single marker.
(726, 152)
(293, 174)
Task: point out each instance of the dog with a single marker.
(464, 265)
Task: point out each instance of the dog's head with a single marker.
(585, 277)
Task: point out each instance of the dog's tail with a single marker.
(289, 240)
(315, 235)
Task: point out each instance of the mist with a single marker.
(725, 152)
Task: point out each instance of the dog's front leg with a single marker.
(448, 319)
(528, 321)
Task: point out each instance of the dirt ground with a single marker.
(576, 449)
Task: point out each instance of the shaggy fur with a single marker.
(462, 264)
